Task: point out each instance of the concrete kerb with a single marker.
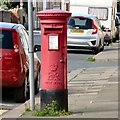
(106, 56)
(14, 113)
(18, 111)
(74, 73)
(109, 55)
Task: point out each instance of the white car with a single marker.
(84, 31)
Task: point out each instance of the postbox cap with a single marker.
(53, 13)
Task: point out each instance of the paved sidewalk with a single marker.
(95, 96)
(111, 54)
(92, 92)
(90, 95)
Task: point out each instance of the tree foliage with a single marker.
(5, 3)
(10, 4)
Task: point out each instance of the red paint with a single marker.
(11, 66)
(53, 58)
(14, 62)
(95, 28)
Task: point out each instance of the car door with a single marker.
(24, 53)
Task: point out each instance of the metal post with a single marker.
(31, 55)
(34, 14)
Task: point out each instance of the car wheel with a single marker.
(96, 50)
(114, 40)
(22, 93)
(37, 83)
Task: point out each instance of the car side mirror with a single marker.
(37, 48)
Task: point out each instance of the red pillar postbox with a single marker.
(54, 57)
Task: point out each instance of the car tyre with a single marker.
(22, 93)
(96, 50)
(114, 40)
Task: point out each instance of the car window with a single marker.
(82, 23)
(100, 12)
(6, 41)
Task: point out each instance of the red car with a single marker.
(14, 60)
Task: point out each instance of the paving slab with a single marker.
(93, 92)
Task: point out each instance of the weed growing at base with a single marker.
(52, 109)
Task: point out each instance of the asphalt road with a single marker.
(80, 60)
(76, 59)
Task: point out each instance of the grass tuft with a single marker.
(52, 109)
(91, 59)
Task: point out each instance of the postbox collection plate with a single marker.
(53, 42)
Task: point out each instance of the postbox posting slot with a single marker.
(53, 30)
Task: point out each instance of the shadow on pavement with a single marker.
(79, 51)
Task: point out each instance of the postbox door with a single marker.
(54, 62)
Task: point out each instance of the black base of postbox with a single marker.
(61, 96)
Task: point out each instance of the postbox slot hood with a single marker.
(53, 30)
